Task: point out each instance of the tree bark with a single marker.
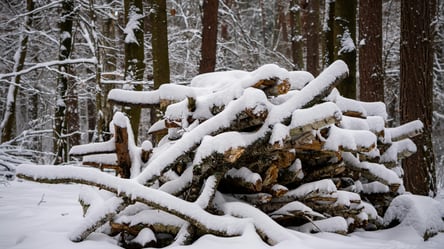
(311, 29)
(209, 36)
(329, 38)
(8, 122)
(159, 27)
(60, 129)
(417, 36)
(296, 35)
(371, 78)
(344, 43)
(134, 57)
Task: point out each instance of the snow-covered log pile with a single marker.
(266, 149)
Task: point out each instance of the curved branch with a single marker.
(223, 226)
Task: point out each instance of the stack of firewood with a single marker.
(284, 142)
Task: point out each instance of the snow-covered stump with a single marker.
(258, 150)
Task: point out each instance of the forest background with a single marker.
(59, 59)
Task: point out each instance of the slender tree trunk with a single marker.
(209, 36)
(417, 36)
(264, 22)
(311, 29)
(345, 37)
(159, 43)
(224, 33)
(109, 62)
(296, 35)
(161, 65)
(60, 129)
(8, 122)
(328, 31)
(134, 55)
(371, 78)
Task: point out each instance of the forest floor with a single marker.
(34, 216)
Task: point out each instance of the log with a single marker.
(407, 130)
(218, 225)
(292, 174)
(98, 218)
(122, 151)
(255, 199)
(373, 171)
(93, 148)
(241, 179)
(324, 171)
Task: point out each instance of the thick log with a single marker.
(373, 171)
(292, 174)
(122, 151)
(93, 148)
(282, 87)
(407, 130)
(239, 180)
(324, 171)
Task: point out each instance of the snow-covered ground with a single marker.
(34, 215)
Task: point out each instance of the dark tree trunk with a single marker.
(328, 31)
(159, 43)
(311, 29)
(345, 39)
(60, 120)
(417, 36)
(8, 123)
(296, 35)
(134, 57)
(209, 36)
(159, 29)
(371, 78)
(107, 61)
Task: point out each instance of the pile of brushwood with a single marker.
(269, 149)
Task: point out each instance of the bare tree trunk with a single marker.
(311, 29)
(224, 26)
(209, 36)
(159, 43)
(60, 129)
(345, 38)
(8, 122)
(264, 22)
(328, 31)
(371, 78)
(417, 36)
(134, 55)
(296, 35)
(159, 25)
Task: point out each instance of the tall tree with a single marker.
(60, 121)
(417, 37)
(8, 122)
(296, 35)
(344, 43)
(134, 55)
(328, 33)
(371, 78)
(159, 43)
(311, 30)
(106, 53)
(209, 36)
(159, 40)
